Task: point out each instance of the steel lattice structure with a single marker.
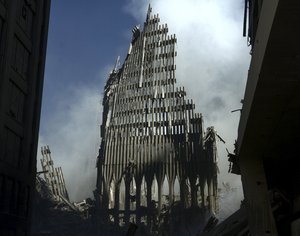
(151, 135)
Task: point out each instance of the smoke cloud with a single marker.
(73, 135)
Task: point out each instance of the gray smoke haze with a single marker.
(212, 65)
(73, 135)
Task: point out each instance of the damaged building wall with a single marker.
(53, 175)
(153, 149)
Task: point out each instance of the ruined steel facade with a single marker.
(53, 176)
(153, 150)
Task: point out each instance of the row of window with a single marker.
(25, 17)
(165, 66)
(149, 82)
(20, 58)
(16, 102)
(10, 148)
(161, 128)
(164, 40)
(149, 69)
(165, 99)
(159, 44)
(133, 106)
(161, 29)
(13, 197)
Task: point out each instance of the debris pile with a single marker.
(53, 213)
(54, 217)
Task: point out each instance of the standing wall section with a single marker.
(151, 135)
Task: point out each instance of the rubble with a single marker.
(53, 213)
(53, 217)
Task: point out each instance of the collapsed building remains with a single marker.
(53, 212)
(153, 149)
(53, 176)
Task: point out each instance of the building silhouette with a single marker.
(154, 151)
(23, 39)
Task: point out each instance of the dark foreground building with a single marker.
(269, 129)
(23, 38)
(153, 152)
